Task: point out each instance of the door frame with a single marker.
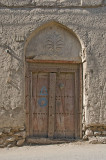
(78, 96)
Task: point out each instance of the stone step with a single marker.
(34, 140)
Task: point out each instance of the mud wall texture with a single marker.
(87, 18)
(52, 3)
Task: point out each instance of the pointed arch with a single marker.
(53, 41)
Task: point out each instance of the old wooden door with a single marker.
(65, 105)
(53, 109)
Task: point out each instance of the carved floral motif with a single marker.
(54, 43)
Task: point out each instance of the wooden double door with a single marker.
(53, 101)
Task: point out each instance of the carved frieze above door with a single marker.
(53, 42)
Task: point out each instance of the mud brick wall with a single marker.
(87, 18)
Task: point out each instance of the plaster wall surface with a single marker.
(16, 24)
(52, 3)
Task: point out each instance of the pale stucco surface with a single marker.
(16, 24)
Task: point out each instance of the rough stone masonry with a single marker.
(18, 19)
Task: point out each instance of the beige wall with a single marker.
(16, 24)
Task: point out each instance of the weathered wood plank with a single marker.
(30, 107)
(52, 85)
(27, 124)
(60, 105)
(40, 103)
(52, 61)
(81, 99)
(65, 107)
(76, 103)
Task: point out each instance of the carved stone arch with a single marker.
(53, 41)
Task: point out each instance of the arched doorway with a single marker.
(53, 83)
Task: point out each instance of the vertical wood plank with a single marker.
(31, 108)
(81, 97)
(27, 98)
(34, 101)
(52, 85)
(76, 104)
(40, 103)
(60, 105)
(27, 124)
(70, 105)
(65, 105)
(34, 92)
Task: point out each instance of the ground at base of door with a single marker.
(73, 151)
(50, 141)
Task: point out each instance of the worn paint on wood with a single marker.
(65, 106)
(52, 92)
(54, 103)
